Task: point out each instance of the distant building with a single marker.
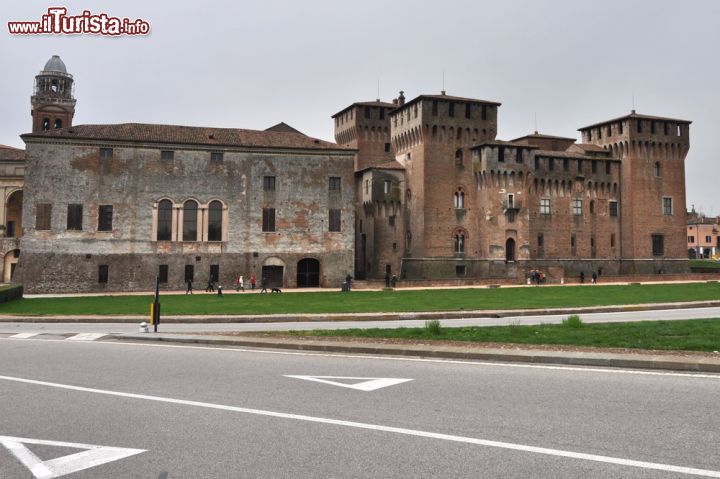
(703, 237)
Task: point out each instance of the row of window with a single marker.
(163, 273)
(577, 207)
(43, 217)
(708, 239)
(668, 129)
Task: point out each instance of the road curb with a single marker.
(626, 361)
(358, 316)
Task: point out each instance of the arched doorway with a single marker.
(510, 250)
(273, 271)
(13, 214)
(9, 263)
(308, 273)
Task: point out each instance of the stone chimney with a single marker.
(401, 98)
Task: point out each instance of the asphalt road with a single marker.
(200, 412)
(60, 328)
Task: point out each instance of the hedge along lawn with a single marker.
(691, 335)
(370, 301)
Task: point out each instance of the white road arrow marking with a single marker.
(23, 335)
(86, 337)
(368, 384)
(92, 456)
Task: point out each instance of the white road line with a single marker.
(86, 337)
(388, 429)
(23, 335)
(636, 372)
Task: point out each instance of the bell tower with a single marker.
(53, 100)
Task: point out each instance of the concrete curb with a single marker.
(570, 358)
(281, 318)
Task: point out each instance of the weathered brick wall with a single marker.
(136, 178)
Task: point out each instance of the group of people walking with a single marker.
(239, 285)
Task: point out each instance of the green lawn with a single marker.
(692, 335)
(704, 263)
(371, 301)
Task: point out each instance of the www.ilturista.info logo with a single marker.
(58, 22)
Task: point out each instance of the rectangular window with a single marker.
(620, 127)
(691, 239)
(652, 127)
(387, 187)
(215, 273)
(105, 215)
(43, 213)
(566, 164)
(599, 133)
(540, 240)
(434, 107)
(10, 229)
(451, 109)
(391, 220)
(367, 112)
(609, 130)
(268, 183)
(387, 147)
(666, 128)
(483, 112)
(189, 272)
(382, 113)
(667, 206)
(708, 239)
(593, 166)
(367, 187)
(572, 241)
(613, 208)
(658, 245)
(639, 126)
(216, 156)
(551, 164)
(577, 207)
(607, 167)
(163, 273)
(518, 155)
(545, 206)
(537, 163)
(268, 220)
(103, 272)
(468, 113)
(501, 153)
(460, 270)
(334, 220)
(580, 166)
(167, 155)
(74, 217)
(334, 183)
(106, 153)
(612, 240)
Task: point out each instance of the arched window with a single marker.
(190, 211)
(58, 123)
(459, 198)
(510, 250)
(459, 242)
(46, 124)
(164, 226)
(215, 221)
(592, 207)
(656, 169)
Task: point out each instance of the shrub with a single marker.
(433, 327)
(573, 321)
(11, 292)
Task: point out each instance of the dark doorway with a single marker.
(510, 250)
(308, 273)
(215, 273)
(274, 276)
(189, 273)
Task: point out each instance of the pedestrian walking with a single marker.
(582, 276)
(348, 280)
(387, 279)
(189, 287)
(252, 281)
(264, 283)
(241, 282)
(210, 288)
(219, 290)
(594, 277)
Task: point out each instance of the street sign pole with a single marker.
(156, 305)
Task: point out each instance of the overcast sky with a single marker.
(253, 64)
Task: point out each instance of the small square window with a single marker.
(613, 208)
(334, 183)
(545, 206)
(460, 270)
(106, 153)
(577, 207)
(167, 155)
(216, 156)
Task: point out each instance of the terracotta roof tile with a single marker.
(635, 115)
(8, 153)
(188, 135)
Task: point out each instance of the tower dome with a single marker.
(55, 64)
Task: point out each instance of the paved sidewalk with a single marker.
(656, 361)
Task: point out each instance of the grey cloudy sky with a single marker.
(252, 64)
